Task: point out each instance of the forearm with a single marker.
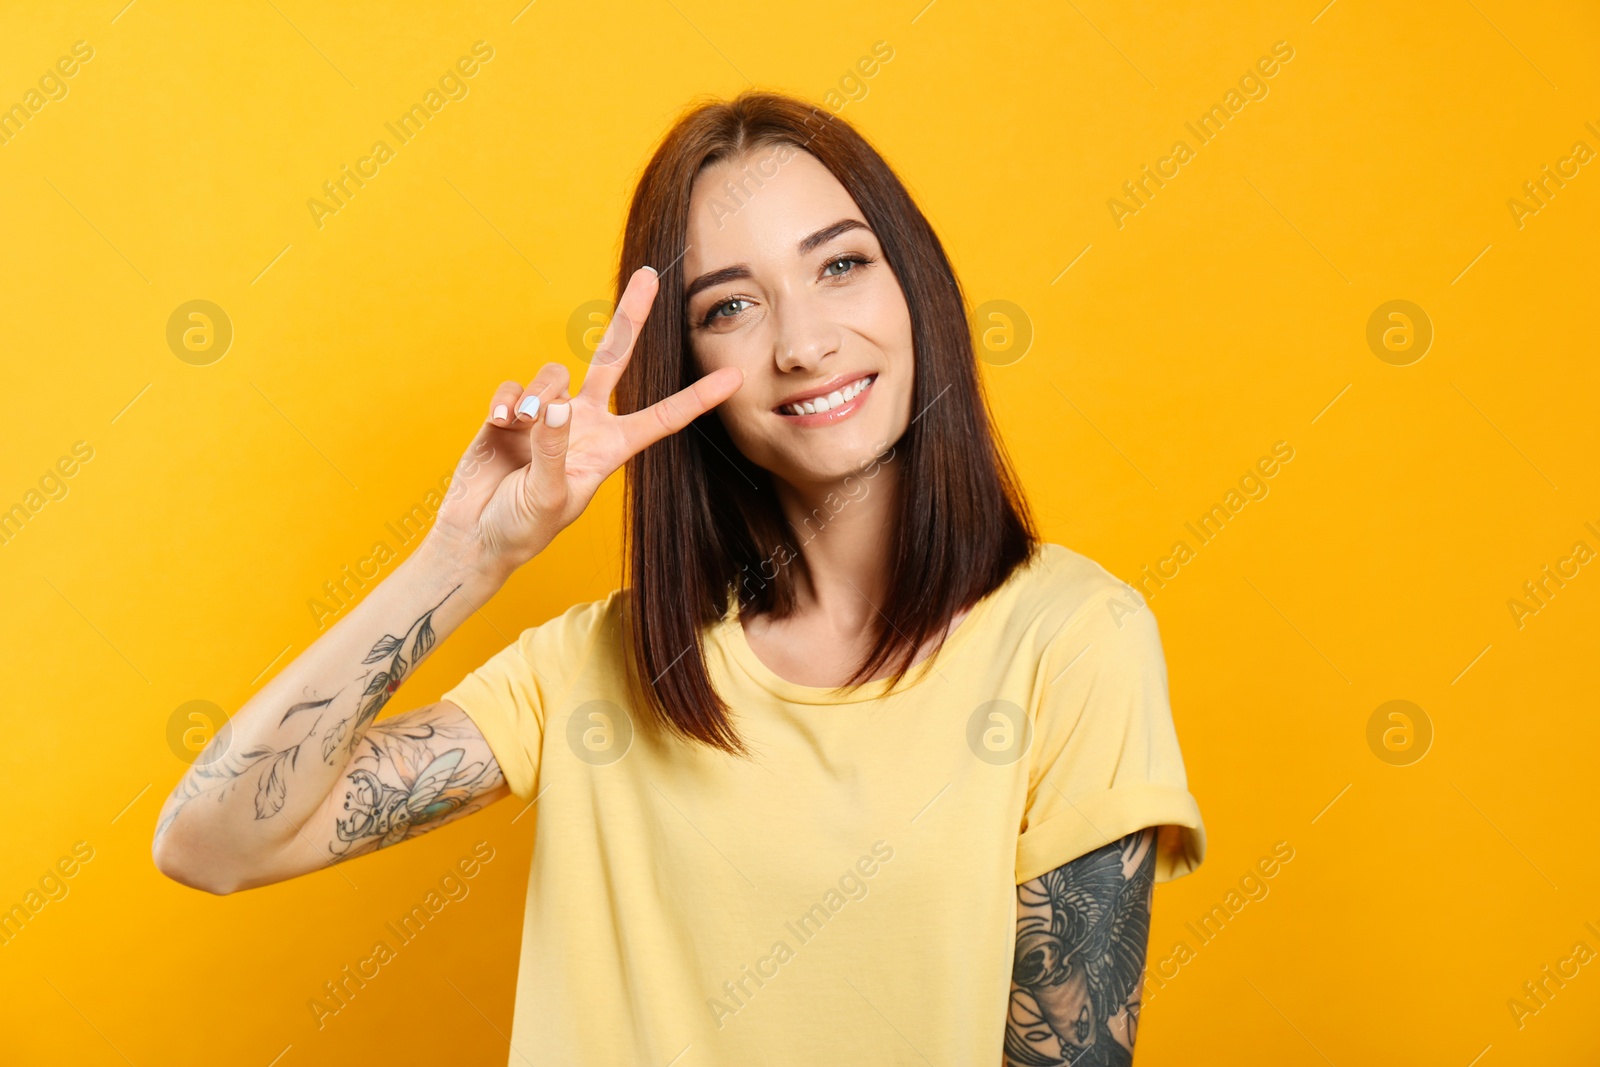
(278, 758)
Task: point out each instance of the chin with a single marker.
(847, 453)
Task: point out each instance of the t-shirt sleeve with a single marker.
(1104, 758)
(509, 696)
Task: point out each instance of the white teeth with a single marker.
(832, 400)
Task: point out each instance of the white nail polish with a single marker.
(529, 407)
(500, 412)
(556, 415)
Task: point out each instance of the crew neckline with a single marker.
(738, 646)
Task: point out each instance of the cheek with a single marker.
(879, 315)
(891, 333)
(733, 350)
(885, 307)
(746, 347)
(741, 416)
(708, 355)
(711, 352)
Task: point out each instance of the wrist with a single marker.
(462, 561)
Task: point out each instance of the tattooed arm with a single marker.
(302, 777)
(1082, 931)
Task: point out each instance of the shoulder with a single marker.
(1078, 622)
(579, 627)
(1062, 592)
(1102, 670)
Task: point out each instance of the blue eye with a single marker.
(717, 311)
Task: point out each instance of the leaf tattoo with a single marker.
(385, 647)
(214, 774)
(381, 686)
(216, 770)
(270, 794)
(331, 742)
(307, 706)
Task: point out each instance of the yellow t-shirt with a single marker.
(848, 896)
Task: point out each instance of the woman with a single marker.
(853, 769)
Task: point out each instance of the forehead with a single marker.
(755, 208)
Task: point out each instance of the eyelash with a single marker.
(849, 257)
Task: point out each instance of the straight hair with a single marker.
(700, 519)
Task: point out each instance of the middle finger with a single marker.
(549, 384)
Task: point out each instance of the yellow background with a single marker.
(1229, 313)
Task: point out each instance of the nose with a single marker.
(806, 334)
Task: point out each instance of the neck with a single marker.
(842, 531)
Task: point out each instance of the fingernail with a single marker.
(556, 415)
(500, 413)
(529, 407)
(651, 269)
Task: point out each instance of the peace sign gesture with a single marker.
(541, 455)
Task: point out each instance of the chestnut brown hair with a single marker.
(700, 518)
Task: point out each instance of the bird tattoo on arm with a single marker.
(1077, 978)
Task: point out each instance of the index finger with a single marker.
(616, 346)
(644, 428)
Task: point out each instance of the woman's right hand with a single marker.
(525, 479)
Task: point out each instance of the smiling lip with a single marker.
(843, 395)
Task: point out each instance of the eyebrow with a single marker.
(806, 245)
